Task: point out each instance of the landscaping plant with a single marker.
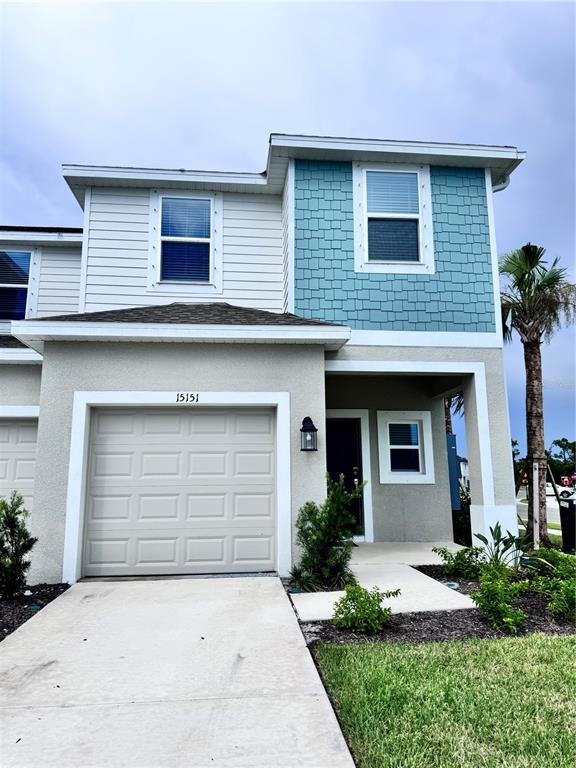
(324, 534)
(464, 563)
(15, 544)
(537, 299)
(361, 610)
(504, 550)
(495, 596)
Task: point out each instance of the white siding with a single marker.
(118, 248)
(59, 281)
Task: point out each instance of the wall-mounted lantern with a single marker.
(308, 435)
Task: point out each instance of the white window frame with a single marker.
(185, 288)
(362, 263)
(425, 445)
(32, 284)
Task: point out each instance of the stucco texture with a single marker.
(20, 384)
(69, 367)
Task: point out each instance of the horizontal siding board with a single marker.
(118, 252)
(59, 281)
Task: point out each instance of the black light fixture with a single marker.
(308, 435)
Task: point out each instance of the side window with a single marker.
(392, 219)
(405, 447)
(14, 276)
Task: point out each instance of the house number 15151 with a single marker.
(187, 397)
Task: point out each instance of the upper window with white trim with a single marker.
(392, 215)
(186, 255)
(405, 447)
(14, 277)
(185, 238)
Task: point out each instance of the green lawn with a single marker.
(477, 704)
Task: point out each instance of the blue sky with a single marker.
(202, 86)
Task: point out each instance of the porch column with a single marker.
(489, 452)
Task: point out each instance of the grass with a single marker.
(477, 704)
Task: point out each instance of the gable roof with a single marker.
(214, 313)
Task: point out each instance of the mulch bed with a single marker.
(13, 613)
(438, 626)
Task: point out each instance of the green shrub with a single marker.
(15, 544)
(561, 592)
(324, 534)
(361, 610)
(550, 562)
(465, 562)
(563, 602)
(495, 596)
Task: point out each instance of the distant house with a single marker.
(179, 374)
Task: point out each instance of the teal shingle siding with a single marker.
(458, 297)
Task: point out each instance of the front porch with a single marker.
(387, 565)
(386, 426)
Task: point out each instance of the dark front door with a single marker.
(344, 457)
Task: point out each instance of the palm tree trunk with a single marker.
(535, 440)
(448, 415)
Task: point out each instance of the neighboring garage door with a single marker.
(175, 491)
(18, 457)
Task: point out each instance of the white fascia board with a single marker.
(11, 355)
(402, 147)
(31, 332)
(96, 173)
(42, 238)
(424, 339)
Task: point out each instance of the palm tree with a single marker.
(536, 300)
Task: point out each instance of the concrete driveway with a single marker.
(178, 672)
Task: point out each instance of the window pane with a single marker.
(13, 303)
(403, 434)
(390, 192)
(185, 218)
(404, 460)
(14, 267)
(186, 261)
(393, 240)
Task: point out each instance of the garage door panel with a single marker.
(18, 458)
(181, 491)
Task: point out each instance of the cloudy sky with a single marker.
(202, 86)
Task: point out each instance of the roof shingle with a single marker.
(216, 313)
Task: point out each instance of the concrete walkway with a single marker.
(386, 566)
(154, 673)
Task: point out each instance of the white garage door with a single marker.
(174, 491)
(18, 457)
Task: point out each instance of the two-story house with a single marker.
(165, 366)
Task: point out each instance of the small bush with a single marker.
(15, 544)
(465, 563)
(563, 602)
(550, 562)
(495, 596)
(324, 534)
(361, 609)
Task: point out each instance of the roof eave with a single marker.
(35, 334)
